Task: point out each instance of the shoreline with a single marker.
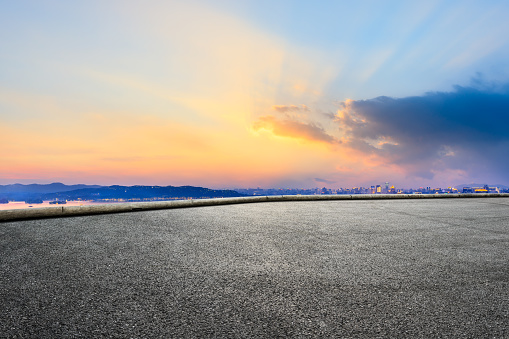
(16, 205)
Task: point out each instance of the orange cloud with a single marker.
(294, 129)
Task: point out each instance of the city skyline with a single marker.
(226, 94)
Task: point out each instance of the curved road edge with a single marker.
(63, 211)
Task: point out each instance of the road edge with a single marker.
(69, 211)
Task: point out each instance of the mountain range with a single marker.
(59, 191)
(38, 188)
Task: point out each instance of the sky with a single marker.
(237, 94)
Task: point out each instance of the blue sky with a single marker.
(254, 93)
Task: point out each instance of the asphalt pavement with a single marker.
(430, 268)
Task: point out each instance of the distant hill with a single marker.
(38, 188)
(95, 192)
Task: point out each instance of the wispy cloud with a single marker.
(290, 108)
(324, 181)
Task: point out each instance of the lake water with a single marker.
(14, 205)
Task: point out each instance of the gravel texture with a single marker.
(349, 269)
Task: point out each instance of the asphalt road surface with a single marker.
(338, 269)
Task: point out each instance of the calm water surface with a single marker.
(14, 205)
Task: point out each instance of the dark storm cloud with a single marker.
(466, 129)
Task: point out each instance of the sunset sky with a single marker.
(228, 94)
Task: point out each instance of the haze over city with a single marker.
(227, 94)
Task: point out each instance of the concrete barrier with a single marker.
(68, 211)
